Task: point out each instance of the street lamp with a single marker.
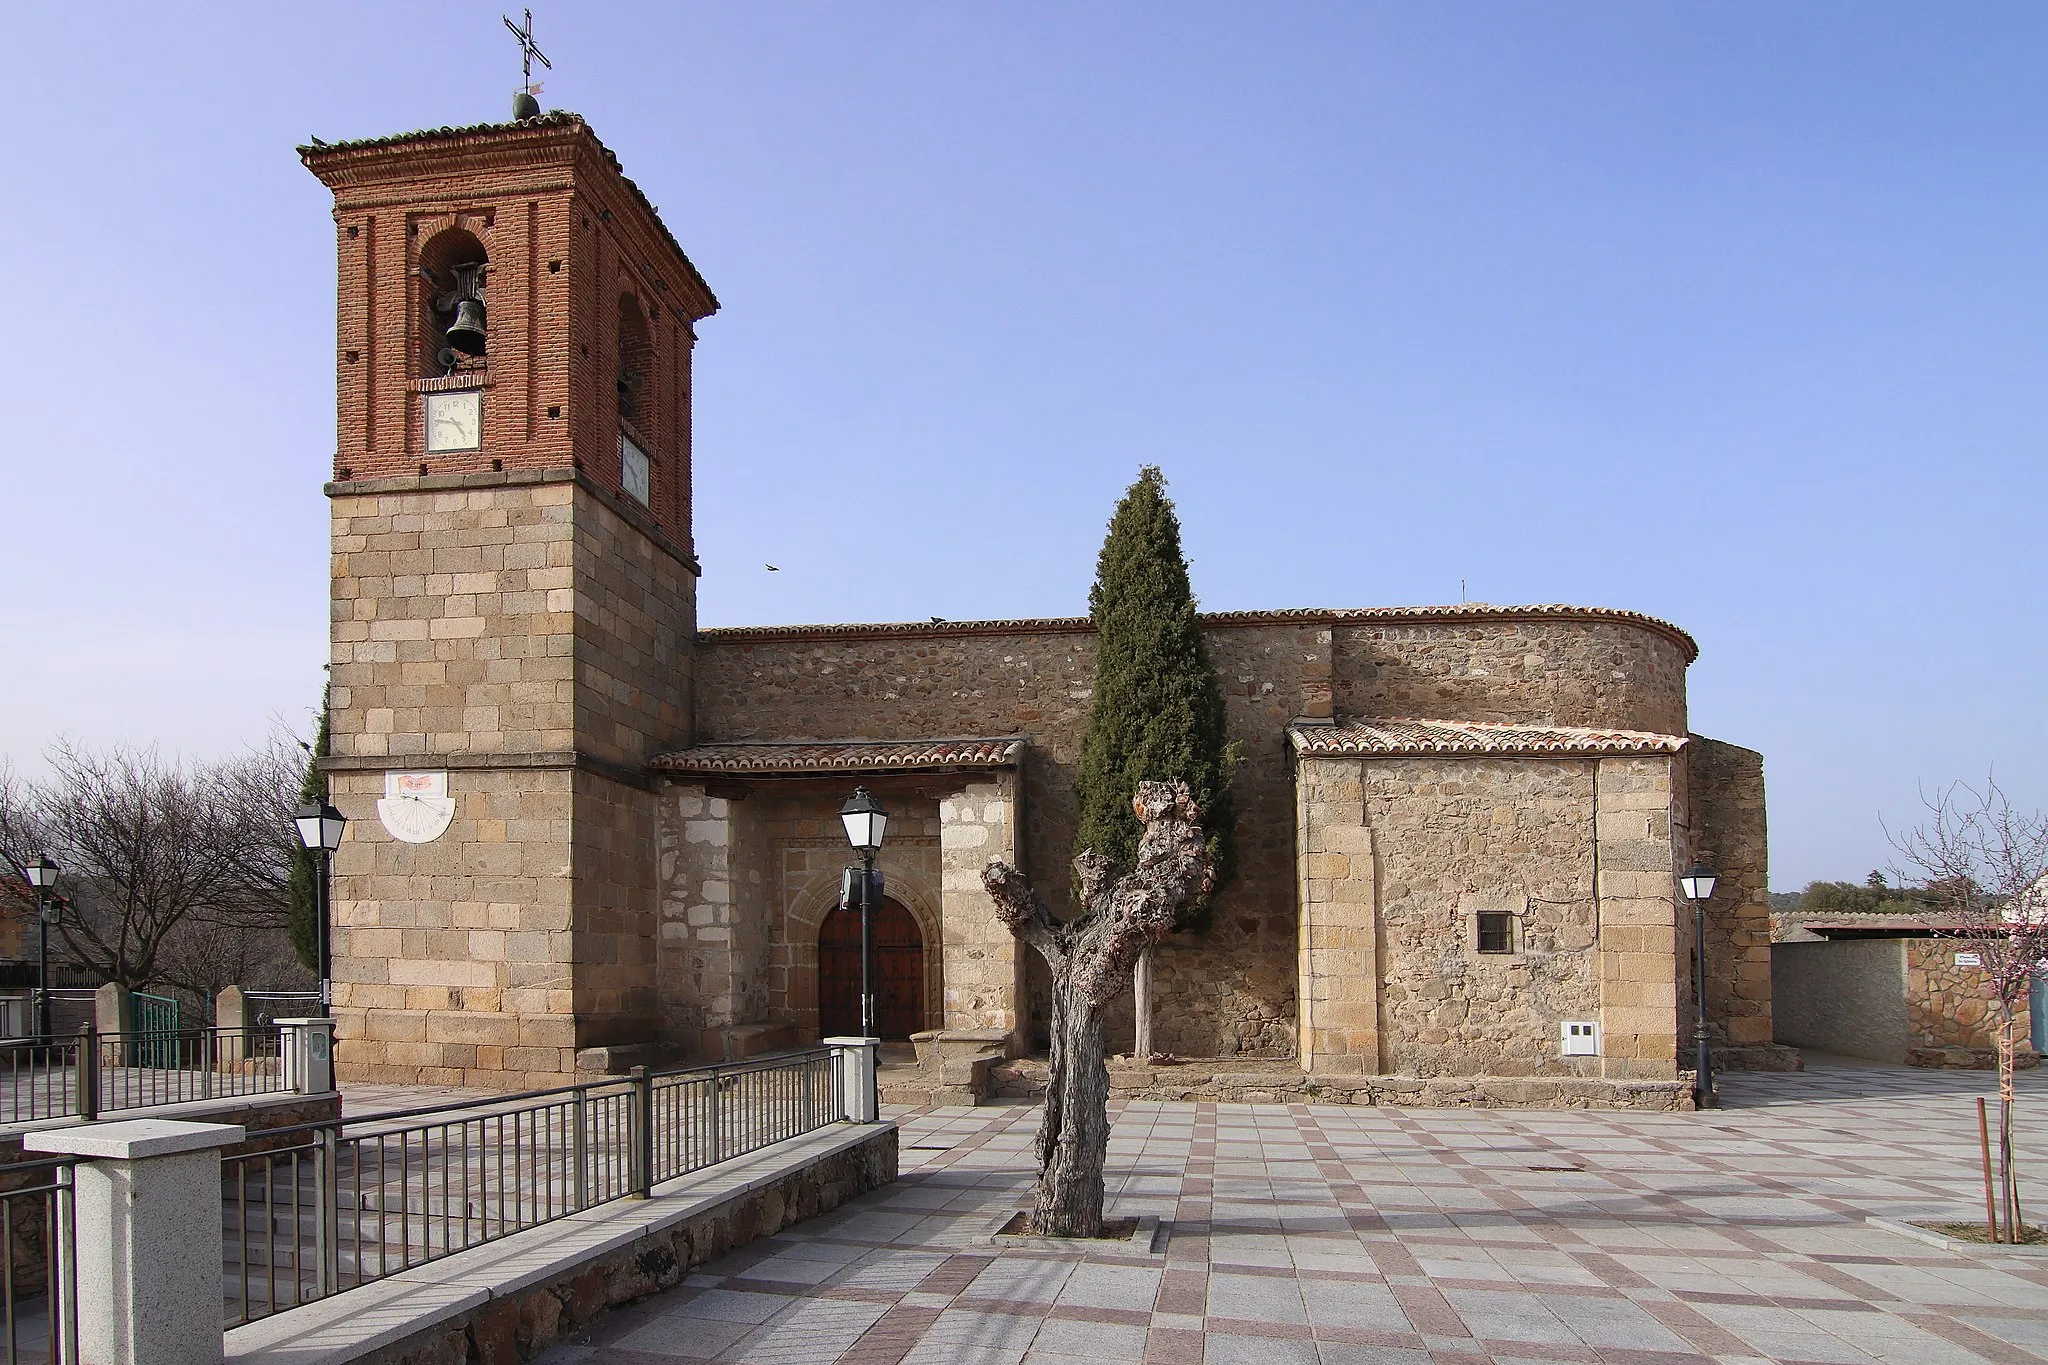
(42, 875)
(865, 820)
(320, 827)
(1698, 886)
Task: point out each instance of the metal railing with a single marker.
(91, 1073)
(39, 1262)
(270, 1005)
(325, 1207)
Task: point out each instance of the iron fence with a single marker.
(39, 1262)
(326, 1207)
(91, 1073)
(273, 1005)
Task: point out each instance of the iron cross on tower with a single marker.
(524, 105)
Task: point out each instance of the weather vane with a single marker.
(524, 105)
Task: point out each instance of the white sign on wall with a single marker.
(416, 807)
(1969, 959)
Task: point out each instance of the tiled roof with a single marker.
(1409, 736)
(843, 756)
(1467, 612)
(553, 118)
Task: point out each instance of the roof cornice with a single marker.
(1463, 614)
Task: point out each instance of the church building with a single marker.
(584, 833)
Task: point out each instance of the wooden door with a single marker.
(899, 969)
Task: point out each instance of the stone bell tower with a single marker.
(514, 595)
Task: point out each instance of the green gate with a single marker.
(156, 1030)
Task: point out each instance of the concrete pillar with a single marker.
(857, 1059)
(149, 1290)
(307, 1046)
(983, 964)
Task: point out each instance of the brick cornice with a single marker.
(638, 518)
(1466, 614)
(558, 138)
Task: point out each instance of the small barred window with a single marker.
(1496, 931)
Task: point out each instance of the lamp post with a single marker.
(865, 820)
(42, 875)
(320, 827)
(1698, 886)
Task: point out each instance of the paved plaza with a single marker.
(1355, 1235)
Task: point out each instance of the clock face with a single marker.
(455, 421)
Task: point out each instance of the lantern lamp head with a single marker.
(864, 819)
(42, 873)
(1698, 882)
(320, 826)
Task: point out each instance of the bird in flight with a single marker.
(773, 569)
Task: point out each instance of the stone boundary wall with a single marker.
(1952, 1011)
(518, 1319)
(1024, 1078)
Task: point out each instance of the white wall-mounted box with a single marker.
(1580, 1037)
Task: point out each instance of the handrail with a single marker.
(326, 1206)
(515, 1096)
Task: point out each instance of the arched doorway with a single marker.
(899, 967)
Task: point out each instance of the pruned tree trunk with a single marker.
(1091, 958)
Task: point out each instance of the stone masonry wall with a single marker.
(1727, 802)
(747, 879)
(453, 959)
(1952, 1007)
(453, 629)
(1639, 857)
(517, 634)
(1453, 838)
(983, 959)
(635, 614)
(1227, 990)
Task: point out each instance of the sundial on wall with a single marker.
(416, 807)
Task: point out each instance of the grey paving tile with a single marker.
(1225, 1348)
(1098, 1341)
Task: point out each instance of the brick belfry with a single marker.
(514, 594)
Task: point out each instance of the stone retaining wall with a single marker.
(1244, 1084)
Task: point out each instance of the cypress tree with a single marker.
(305, 918)
(1158, 711)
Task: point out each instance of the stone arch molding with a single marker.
(915, 893)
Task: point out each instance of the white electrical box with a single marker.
(1581, 1037)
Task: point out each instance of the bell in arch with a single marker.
(466, 332)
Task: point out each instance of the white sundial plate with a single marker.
(416, 808)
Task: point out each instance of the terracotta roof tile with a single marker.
(1403, 735)
(843, 756)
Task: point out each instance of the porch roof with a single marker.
(797, 757)
(1399, 736)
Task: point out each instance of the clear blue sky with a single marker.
(1731, 313)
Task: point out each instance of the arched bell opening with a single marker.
(454, 326)
(636, 363)
(899, 973)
